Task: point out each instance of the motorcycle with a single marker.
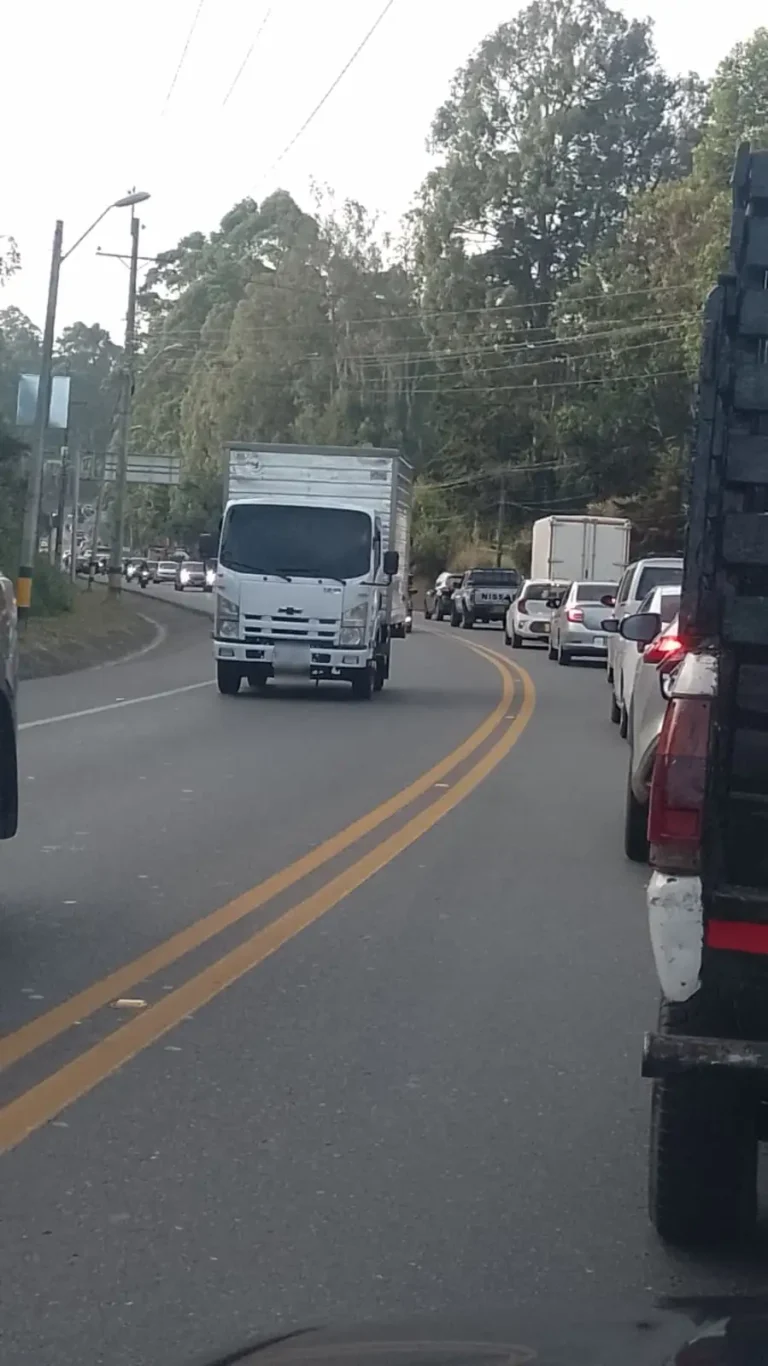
(144, 577)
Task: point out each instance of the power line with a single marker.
(534, 387)
(184, 51)
(332, 87)
(247, 56)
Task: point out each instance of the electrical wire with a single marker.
(248, 55)
(184, 51)
(305, 125)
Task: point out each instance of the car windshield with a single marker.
(595, 592)
(654, 575)
(285, 540)
(669, 606)
(168, 566)
(194, 567)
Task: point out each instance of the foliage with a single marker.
(54, 593)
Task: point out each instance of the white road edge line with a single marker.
(114, 706)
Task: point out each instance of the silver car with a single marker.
(530, 614)
(577, 624)
(166, 571)
(657, 663)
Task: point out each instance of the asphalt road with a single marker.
(400, 1076)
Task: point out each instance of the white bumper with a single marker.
(292, 657)
(676, 923)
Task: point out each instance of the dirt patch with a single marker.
(97, 630)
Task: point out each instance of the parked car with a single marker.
(437, 600)
(576, 628)
(165, 571)
(636, 582)
(529, 615)
(663, 603)
(484, 595)
(9, 664)
(656, 667)
(193, 574)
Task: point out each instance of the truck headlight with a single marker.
(353, 625)
(227, 622)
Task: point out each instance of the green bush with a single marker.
(52, 591)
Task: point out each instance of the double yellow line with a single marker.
(42, 1102)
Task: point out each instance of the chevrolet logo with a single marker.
(289, 611)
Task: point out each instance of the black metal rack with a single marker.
(725, 588)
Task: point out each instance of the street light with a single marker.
(34, 485)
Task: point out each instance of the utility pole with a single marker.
(62, 505)
(116, 566)
(29, 537)
(75, 464)
(500, 520)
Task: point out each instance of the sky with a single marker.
(96, 100)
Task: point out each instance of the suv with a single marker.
(636, 583)
(437, 600)
(484, 595)
(9, 663)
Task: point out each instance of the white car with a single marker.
(529, 615)
(636, 583)
(665, 603)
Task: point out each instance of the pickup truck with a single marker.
(484, 595)
(9, 661)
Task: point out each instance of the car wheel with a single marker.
(563, 657)
(635, 824)
(517, 641)
(438, 614)
(615, 710)
(623, 722)
(228, 678)
(551, 651)
(702, 1177)
(609, 674)
(428, 614)
(467, 620)
(455, 619)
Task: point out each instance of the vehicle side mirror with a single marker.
(611, 626)
(608, 601)
(642, 627)
(207, 546)
(391, 563)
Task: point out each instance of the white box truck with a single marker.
(312, 574)
(565, 549)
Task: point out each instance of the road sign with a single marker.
(146, 469)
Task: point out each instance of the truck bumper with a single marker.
(666, 1055)
(292, 658)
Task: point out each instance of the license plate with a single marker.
(291, 657)
(598, 641)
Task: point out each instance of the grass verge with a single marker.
(96, 630)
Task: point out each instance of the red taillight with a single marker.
(662, 649)
(677, 786)
(575, 614)
(522, 608)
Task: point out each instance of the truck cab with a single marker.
(302, 589)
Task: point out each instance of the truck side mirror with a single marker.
(391, 563)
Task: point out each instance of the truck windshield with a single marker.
(310, 542)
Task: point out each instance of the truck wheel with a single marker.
(455, 618)
(362, 685)
(635, 824)
(467, 620)
(615, 709)
(257, 681)
(703, 1149)
(380, 675)
(228, 678)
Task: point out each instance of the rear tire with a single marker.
(563, 658)
(635, 825)
(455, 618)
(551, 652)
(623, 722)
(702, 1178)
(609, 675)
(467, 621)
(228, 678)
(428, 614)
(517, 641)
(615, 710)
(362, 685)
